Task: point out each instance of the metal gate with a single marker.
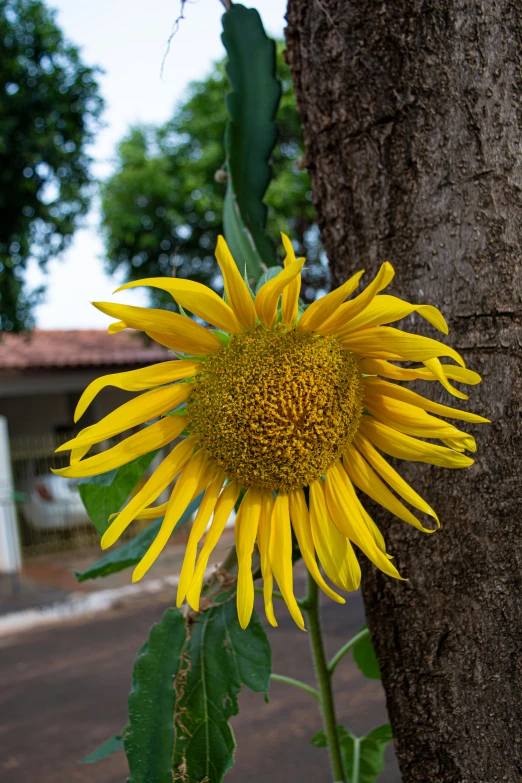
(51, 515)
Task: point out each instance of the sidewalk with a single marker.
(50, 579)
(22, 591)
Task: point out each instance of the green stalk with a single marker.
(356, 760)
(296, 683)
(323, 677)
(339, 655)
(275, 593)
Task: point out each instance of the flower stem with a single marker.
(323, 676)
(296, 683)
(339, 655)
(356, 759)
(275, 593)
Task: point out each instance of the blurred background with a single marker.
(155, 145)
(111, 146)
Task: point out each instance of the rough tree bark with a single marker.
(412, 116)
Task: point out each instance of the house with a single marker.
(43, 374)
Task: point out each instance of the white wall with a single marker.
(10, 552)
(45, 413)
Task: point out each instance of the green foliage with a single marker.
(150, 735)
(370, 748)
(49, 110)
(365, 753)
(220, 659)
(250, 136)
(271, 272)
(105, 494)
(365, 658)
(107, 748)
(185, 685)
(131, 553)
(163, 208)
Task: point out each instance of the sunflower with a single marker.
(282, 414)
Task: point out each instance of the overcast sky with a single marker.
(128, 39)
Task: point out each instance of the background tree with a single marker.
(162, 208)
(412, 120)
(49, 110)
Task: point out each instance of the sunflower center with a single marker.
(276, 407)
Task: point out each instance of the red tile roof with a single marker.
(56, 348)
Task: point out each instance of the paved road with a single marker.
(63, 691)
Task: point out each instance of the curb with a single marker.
(79, 605)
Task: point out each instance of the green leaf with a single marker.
(250, 136)
(319, 739)
(150, 735)
(271, 272)
(131, 553)
(222, 657)
(105, 494)
(371, 753)
(365, 658)
(223, 338)
(238, 239)
(371, 749)
(382, 733)
(107, 748)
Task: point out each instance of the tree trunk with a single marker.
(412, 120)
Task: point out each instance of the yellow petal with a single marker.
(195, 297)
(387, 370)
(412, 398)
(466, 443)
(281, 555)
(205, 511)
(322, 309)
(181, 496)
(153, 437)
(385, 342)
(245, 531)
(268, 295)
(79, 453)
(224, 506)
(144, 408)
(372, 527)
(360, 513)
(384, 309)
(391, 476)
(175, 331)
(412, 420)
(440, 372)
(154, 512)
(344, 507)
(362, 475)
(290, 301)
(151, 512)
(303, 532)
(206, 478)
(346, 312)
(397, 444)
(164, 474)
(139, 380)
(117, 327)
(236, 289)
(263, 544)
(334, 550)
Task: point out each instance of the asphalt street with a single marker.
(63, 691)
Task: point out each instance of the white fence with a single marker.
(10, 547)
